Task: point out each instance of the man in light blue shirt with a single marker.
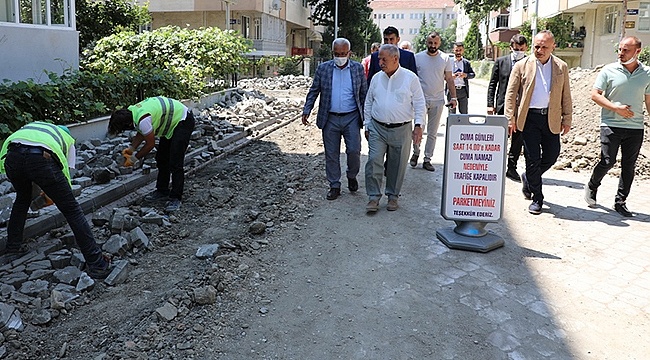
(341, 84)
(620, 89)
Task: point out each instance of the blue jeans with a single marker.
(346, 126)
(45, 171)
(611, 138)
(541, 148)
(170, 158)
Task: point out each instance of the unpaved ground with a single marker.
(275, 182)
(278, 182)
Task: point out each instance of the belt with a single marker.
(542, 111)
(340, 114)
(29, 149)
(459, 87)
(391, 125)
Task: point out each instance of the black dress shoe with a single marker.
(513, 175)
(333, 193)
(353, 184)
(622, 209)
(525, 188)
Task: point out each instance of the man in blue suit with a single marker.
(406, 58)
(342, 86)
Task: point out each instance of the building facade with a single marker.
(276, 27)
(37, 36)
(407, 16)
(597, 26)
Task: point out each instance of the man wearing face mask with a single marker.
(620, 89)
(498, 84)
(434, 70)
(342, 86)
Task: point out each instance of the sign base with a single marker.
(485, 243)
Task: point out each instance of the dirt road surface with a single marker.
(327, 281)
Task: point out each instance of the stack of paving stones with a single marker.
(285, 82)
(50, 280)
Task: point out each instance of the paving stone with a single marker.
(167, 312)
(116, 245)
(119, 274)
(67, 275)
(34, 288)
(139, 239)
(207, 251)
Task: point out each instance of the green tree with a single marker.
(354, 24)
(447, 36)
(480, 10)
(560, 26)
(98, 19)
(473, 43)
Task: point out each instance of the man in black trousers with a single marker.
(498, 84)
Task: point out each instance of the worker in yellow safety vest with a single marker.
(42, 153)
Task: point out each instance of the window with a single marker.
(37, 12)
(257, 24)
(305, 3)
(611, 18)
(246, 27)
(502, 21)
(644, 16)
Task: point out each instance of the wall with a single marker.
(27, 50)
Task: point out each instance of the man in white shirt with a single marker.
(461, 72)
(434, 69)
(394, 97)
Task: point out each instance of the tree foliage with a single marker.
(98, 19)
(447, 35)
(560, 26)
(354, 24)
(473, 44)
(193, 55)
(479, 9)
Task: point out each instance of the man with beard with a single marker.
(462, 72)
(620, 89)
(406, 58)
(434, 69)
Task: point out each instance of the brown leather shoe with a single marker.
(373, 206)
(392, 205)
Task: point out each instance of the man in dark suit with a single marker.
(342, 86)
(461, 71)
(498, 84)
(406, 58)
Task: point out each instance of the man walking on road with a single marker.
(434, 70)
(498, 84)
(621, 88)
(341, 83)
(43, 153)
(394, 98)
(541, 114)
(461, 71)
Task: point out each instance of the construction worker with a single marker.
(173, 122)
(42, 153)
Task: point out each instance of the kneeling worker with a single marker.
(42, 153)
(173, 122)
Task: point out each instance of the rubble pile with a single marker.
(581, 146)
(284, 82)
(49, 281)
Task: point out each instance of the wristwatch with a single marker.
(418, 125)
(453, 99)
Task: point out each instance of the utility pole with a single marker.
(533, 24)
(336, 19)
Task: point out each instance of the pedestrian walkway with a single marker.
(571, 283)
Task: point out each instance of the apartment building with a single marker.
(597, 26)
(407, 15)
(37, 36)
(276, 27)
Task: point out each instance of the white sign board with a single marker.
(474, 169)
